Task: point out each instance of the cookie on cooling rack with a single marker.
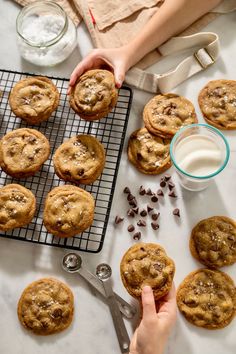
(213, 241)
(149, 153)
(23, 151)
(147, 264)
(68, 211)
(217, 101)
(94, 94)
(34, 99)
(80, 159)
(165, 114)
(46, 306)
(207, 298)
(17, 206)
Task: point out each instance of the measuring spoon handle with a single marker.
(122, 334)
(127, 310)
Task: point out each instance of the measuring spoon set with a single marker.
(101, 282)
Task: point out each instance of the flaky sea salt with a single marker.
(42, 29)
(39, 31)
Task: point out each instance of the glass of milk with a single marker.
(199, 152)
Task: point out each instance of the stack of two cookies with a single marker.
(207, 296)
(163, 116)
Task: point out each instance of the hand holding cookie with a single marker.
(151, 335)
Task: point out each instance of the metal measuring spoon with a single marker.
(72, 263)
(104, 272)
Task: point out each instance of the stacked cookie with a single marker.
(79, 160)
(207, 297)
(163, 116)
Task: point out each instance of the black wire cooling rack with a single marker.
(63, 124)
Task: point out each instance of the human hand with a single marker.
(151, 335)
(116, 59)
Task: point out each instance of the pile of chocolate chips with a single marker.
(149, 210)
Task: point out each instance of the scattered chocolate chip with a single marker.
(160, 193)
(163, 182)
(131, 228)
(131, 213)
(176, 212)
(155, 216)
(126, 190)
(142, 191)
(149, 208)
(167, 177)
(136, 210)
(171, 186)
(137, 235)
(155, 225)
(172, 194)
(133, 203)
(143, 212)
(154, 199)
(149, 192)
(118, 219)
(141, 223)
(130, 197)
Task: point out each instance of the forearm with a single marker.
(170, 19)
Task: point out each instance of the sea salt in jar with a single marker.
(45, 35)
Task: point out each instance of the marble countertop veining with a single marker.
(92, 331)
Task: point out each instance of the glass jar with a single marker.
(45, 35)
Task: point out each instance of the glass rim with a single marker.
(37, 4)
(215, 130)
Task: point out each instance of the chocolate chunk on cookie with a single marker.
(207, 298)
(165, 114)
(46, 306)
(147, 264)
(80, 159)
(213, 241)
(17, 206)
(68, 211)
(217, 101)
(149, 153)
(34, 99)
(23, 151)
(94, 95)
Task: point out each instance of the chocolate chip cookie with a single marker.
(23, 151)
(46, 306)
(150, 154)
(34, 99)
(213, 241)
(165, 114)
(17, 206)
(80, 159)
(217, 101)
(147, 264)
(94, 95)
(207, 298)
(68, 211)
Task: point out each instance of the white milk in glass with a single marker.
(200, 156)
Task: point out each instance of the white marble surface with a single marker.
(20, 263)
